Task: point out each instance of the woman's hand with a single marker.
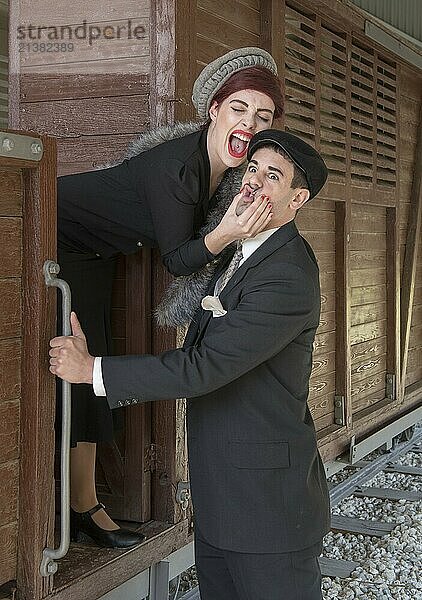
(244, 218)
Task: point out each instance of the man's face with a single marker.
(269, 174)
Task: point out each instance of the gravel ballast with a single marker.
(389, 567)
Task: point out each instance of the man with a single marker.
(258, 484)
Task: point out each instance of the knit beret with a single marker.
(213, 76)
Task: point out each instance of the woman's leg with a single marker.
(83, 520)
(83, 494)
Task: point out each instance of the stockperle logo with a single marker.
(82, 31)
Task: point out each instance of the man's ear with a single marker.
(300, 198)
(213, 111)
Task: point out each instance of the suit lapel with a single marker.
(279, 238)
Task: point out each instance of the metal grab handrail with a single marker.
(48, 565)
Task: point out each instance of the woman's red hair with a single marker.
(259, 79)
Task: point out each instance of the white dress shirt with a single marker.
(249, 246)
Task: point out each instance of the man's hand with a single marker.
(70, 358)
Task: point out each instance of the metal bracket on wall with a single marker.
(183, 494)
(339, 410)
(384, 436)
(390, 386)
(24, 147)
(159, 581)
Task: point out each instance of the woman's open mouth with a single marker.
(238, 143)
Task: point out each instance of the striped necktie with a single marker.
(233, 266)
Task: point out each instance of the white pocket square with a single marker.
(213, 303)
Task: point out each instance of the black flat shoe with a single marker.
(83, 523)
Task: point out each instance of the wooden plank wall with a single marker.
(368, 326)
(317, 224)
(94, 98)
(222, 26)
(409, 109)
(10, 371)
(128, 53)
(342, 96)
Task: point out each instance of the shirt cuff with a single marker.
(97, 378)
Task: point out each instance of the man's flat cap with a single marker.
(300, 152)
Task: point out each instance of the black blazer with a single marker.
(158, 198)
(257, 479)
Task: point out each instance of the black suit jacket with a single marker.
(257, 479)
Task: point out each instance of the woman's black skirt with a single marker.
(91, 279)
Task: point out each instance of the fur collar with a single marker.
(183, 296)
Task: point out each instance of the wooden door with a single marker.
(124, 466)
(94, 99)
(27, 404)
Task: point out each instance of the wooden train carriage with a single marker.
(359, 103)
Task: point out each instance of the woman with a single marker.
(159, 197)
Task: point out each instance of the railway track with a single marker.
(354, 481)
